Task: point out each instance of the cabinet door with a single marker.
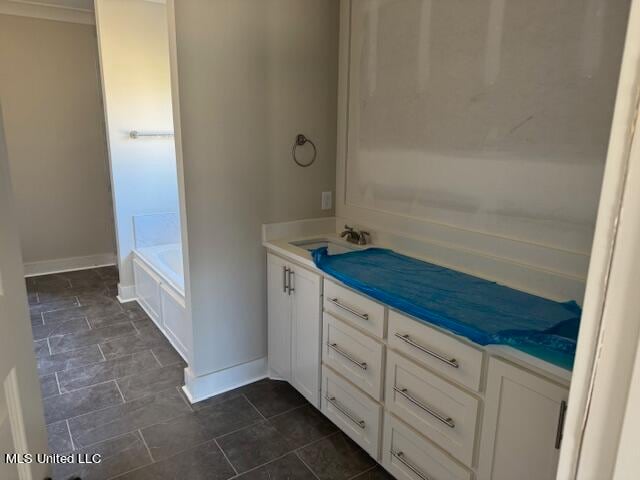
(279, 313)
(522, 420)
(306, 320)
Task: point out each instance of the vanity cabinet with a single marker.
(522, 427)
(295, 322)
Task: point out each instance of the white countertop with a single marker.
(299, 255)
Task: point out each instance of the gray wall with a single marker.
(54, 125)
(251, 74)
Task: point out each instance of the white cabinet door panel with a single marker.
(521, 424)
(279, 313)
(346, 304)
(306, 327)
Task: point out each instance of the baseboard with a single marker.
(46, 267)
(200, 388)
(126, 293)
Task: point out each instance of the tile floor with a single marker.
(111, 385)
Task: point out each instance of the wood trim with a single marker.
(25, 8)
(609, 329)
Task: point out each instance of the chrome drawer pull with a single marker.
(285, 272)
(448, 421)
(364, 316)
(335, 348)
(452, 362)
(402, 460)
(344, 411)
(291, 289)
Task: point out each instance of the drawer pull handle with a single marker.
(345, 412)
(335, 348)
(401, 458)
(285, 275)
(448, 421)
(452, 362)
(364, 316)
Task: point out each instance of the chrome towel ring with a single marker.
(299, 142)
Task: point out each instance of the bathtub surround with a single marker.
(250, 74)
(133, 37)
(54, 124)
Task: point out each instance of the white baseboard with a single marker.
(126, 293)
(45, 267)
(200, 388)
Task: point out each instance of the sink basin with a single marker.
(333, 248)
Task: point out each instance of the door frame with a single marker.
(610, 330)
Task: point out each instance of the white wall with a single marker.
(134, 57)
(488, 121)
(55, 134)
(251, 74)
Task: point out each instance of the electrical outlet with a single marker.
(327, 200)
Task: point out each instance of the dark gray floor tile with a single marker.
(43, 282)
(143, 340)
(107, 273)
(376, 473)
(59, 438)
(204, 462)
(49, 385)
(302, 425)
(62, 304)
(167, 355)
(60, 328)
(104, 371)
(216, 399)
(99, 297)
(289, 467)
(253, 446)
(151, 381)
(141, 321)
(171, 437)
(273, 397)
(90, 311)
(109, 320)
(110, 422)
(41, 348)
(67, 360)
(336, 458)
(85, 400)
(36, 319)
(133, 308)
(74, 341)
(119, 455)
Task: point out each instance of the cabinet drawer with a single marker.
(345, 303)
(440, 352)
(408, 456)
(352, 411)
(441, 411)
(353, 354)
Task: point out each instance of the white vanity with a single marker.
(424, 403)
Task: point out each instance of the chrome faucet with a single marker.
(352, 235)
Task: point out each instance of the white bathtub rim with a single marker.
(144, 257)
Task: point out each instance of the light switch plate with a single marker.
(327, 200)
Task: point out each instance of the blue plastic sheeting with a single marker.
(480, 310)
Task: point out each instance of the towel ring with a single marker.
(300, 141)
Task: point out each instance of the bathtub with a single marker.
(159, 284)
